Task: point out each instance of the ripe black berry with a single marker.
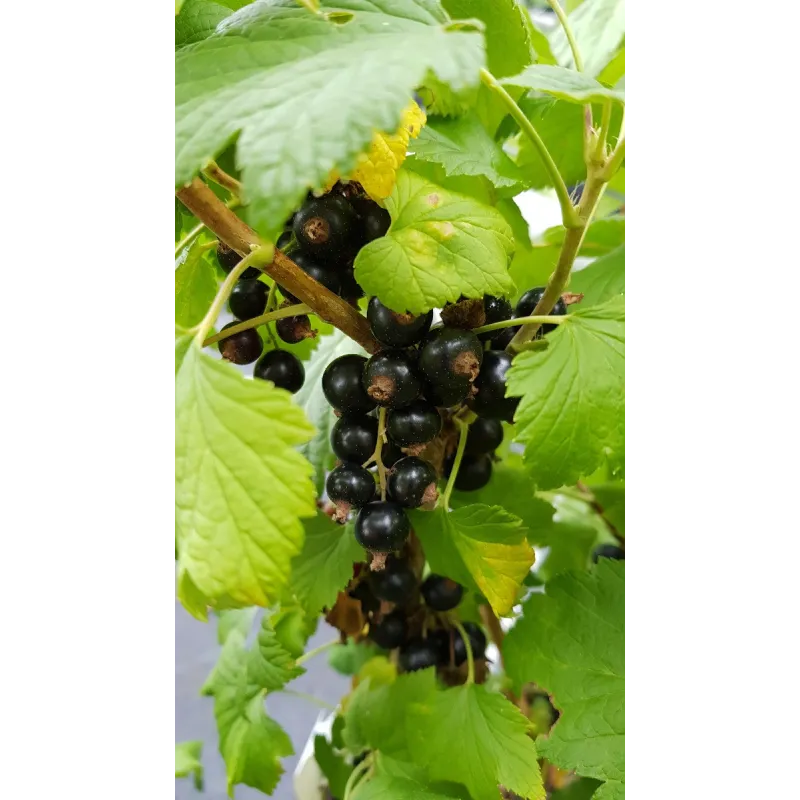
(504, 337)
(241, 348)
(527, 303)
(415, 424)
(248, 299)
(354, 437)
(412, 482)
(440, 639)
(485, 435)
(418, 654)
(391, 380)
(490, 398)
(450, 359)
(326, 227)
(473, 473)
(477, 640)
(390, 632)
(374, 220)
(363, 593)
(495, 309)
(382, 527)
(294, 329)
(228, 258)
(284, 369)
(608, 551)
(321, 273)
(350, 483)
(396, 330)
(440, 593)
(350, 289)
(395, 583)
(342, 386)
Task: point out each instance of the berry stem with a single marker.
(451, 481)
(377, 457)
(468, 646)
(198, 229)
(355, 776)
(310, 698)
(220, 177)
(281, 313)
(509, 323)
(316, 651)
(573, 44)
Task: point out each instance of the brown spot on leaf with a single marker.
(433, 199)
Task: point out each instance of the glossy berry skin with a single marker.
(241, 348)
(354, 437)
(321, 273)
(417, 423)
(495, 309)
(391, 380)
(363, 593)
(485, 436)
(504, 337)
(294, 329)
(374, 221)
(477, 640)
(326, 227)
(440, 640)
(608, 551)
(248, 299)
(228, 258)
(527, 303)
(396, 583)
(440, 593)
(409, 481)
(418, 654)
(284, 369)
(382, 527)
(342, 386)
(450, 359)
(350, 483)
(350, 289)
(390, 632)
(396, 330)
(473, 474)
(490, 400)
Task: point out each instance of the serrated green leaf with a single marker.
(470, 736)
(598, 27)
(325, 564)
(240, 484)
(602, 236)
(565, 84)
(611, 497)
(293, 627)
(197, 21)
(385, 787)
(571, 641)
(572, 413)
(195, 285)
(333, 766)
(349, 658)
(270, 666)
(234, 619)
(274, 67)
(602, 280)
(187, 762)
(479, 546)
(440, 245)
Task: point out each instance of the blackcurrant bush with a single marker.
(382, 527)
(495, 309)
(248, 299)
(440, 593)
(228, 258)
(342, 386)
(608, 551)
(321, 273)
(284, 369)
(485, 435)
(450, 359)
(477, 640)
(412, 482)
(527, 303)
(418, 654)
(241, 348)
(490, 398)
(374, 221)
(396, 330)
(391, 379)
(390, 632)
(504, 337)
(395, 583)
(294, 329)
(352, 484)
(473, 473)
(326, 227)
(354, 437)
(415, 424)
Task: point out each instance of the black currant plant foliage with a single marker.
(395, 410)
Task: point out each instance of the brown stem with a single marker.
(219, 176)
(211, 211)
(598, 509)
(496, 632)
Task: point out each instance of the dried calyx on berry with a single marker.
(294, 329)
(450, 360)
(391, 380)
(241, 348)
(350, 486)
(326, 227)
(412, 483)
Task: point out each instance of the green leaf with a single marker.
(197, 21)
(470, 736)
(275, 67)
(270, 665)
(348, 658)
(187, 762)
(565, 84)
(293, 627)
(598, 27)
(479, 546)
(240, 485)
(572, 412)
(571, 641)
(385, 787)
(614, 71)
(611, 497)
(463, 147)
(325, 564)
(195, 285)
(333, 766)
(440, 245)
(317, 409)
(602, 236)
(540, 43)
(234, 619)
(581, 789)
(602, 280)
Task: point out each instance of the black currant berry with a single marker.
(284, 369)
(527, 303)
(477, 640)
(608, 551)
(473, 474)
(495, 309)
(248, 299)
(374, 220)
(504, 337)
(412, 482)
(391, 454)
(490, 398)
(391, 380)
(440, 593)
(350, 288)
(440, 639)
(363, 593)
(352, 484)
(321, 273)
(228, 258)
(342, 386)
(390, 632)
(241, 348)
(326, 227)
(294, 329)
(354, 437)
(382, 527)
(415, 424)
(485, 436)
(284, 240)
(395, 583)
(418, 654)
(450, 359)
(396, 330)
